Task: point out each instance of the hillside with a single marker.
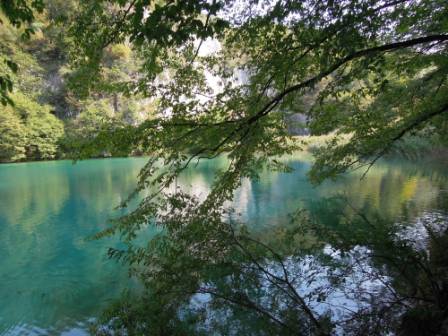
(46, 114)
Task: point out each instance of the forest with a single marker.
(46, 113)
(221, 99)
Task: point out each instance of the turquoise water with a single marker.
(53, 281)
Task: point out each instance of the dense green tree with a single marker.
(12, 137)
(30, 131)
(44, 131)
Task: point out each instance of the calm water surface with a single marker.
(53, 281)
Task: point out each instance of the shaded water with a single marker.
(53, 281)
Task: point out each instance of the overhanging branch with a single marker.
(358, 54)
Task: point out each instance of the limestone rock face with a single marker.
(296, 124)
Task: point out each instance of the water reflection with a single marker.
(395, 189)
(53, 280)
(50, 276)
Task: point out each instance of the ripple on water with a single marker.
(67, 328)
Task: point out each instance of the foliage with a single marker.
(412, 261)
(371, 72)
(30, 131)
(12, 137)
(17, 12)
(39, 72)
(376, 71)
(365, 60)
(355, 273)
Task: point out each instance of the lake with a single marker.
(54, 281)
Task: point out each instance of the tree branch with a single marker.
(358, 54)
